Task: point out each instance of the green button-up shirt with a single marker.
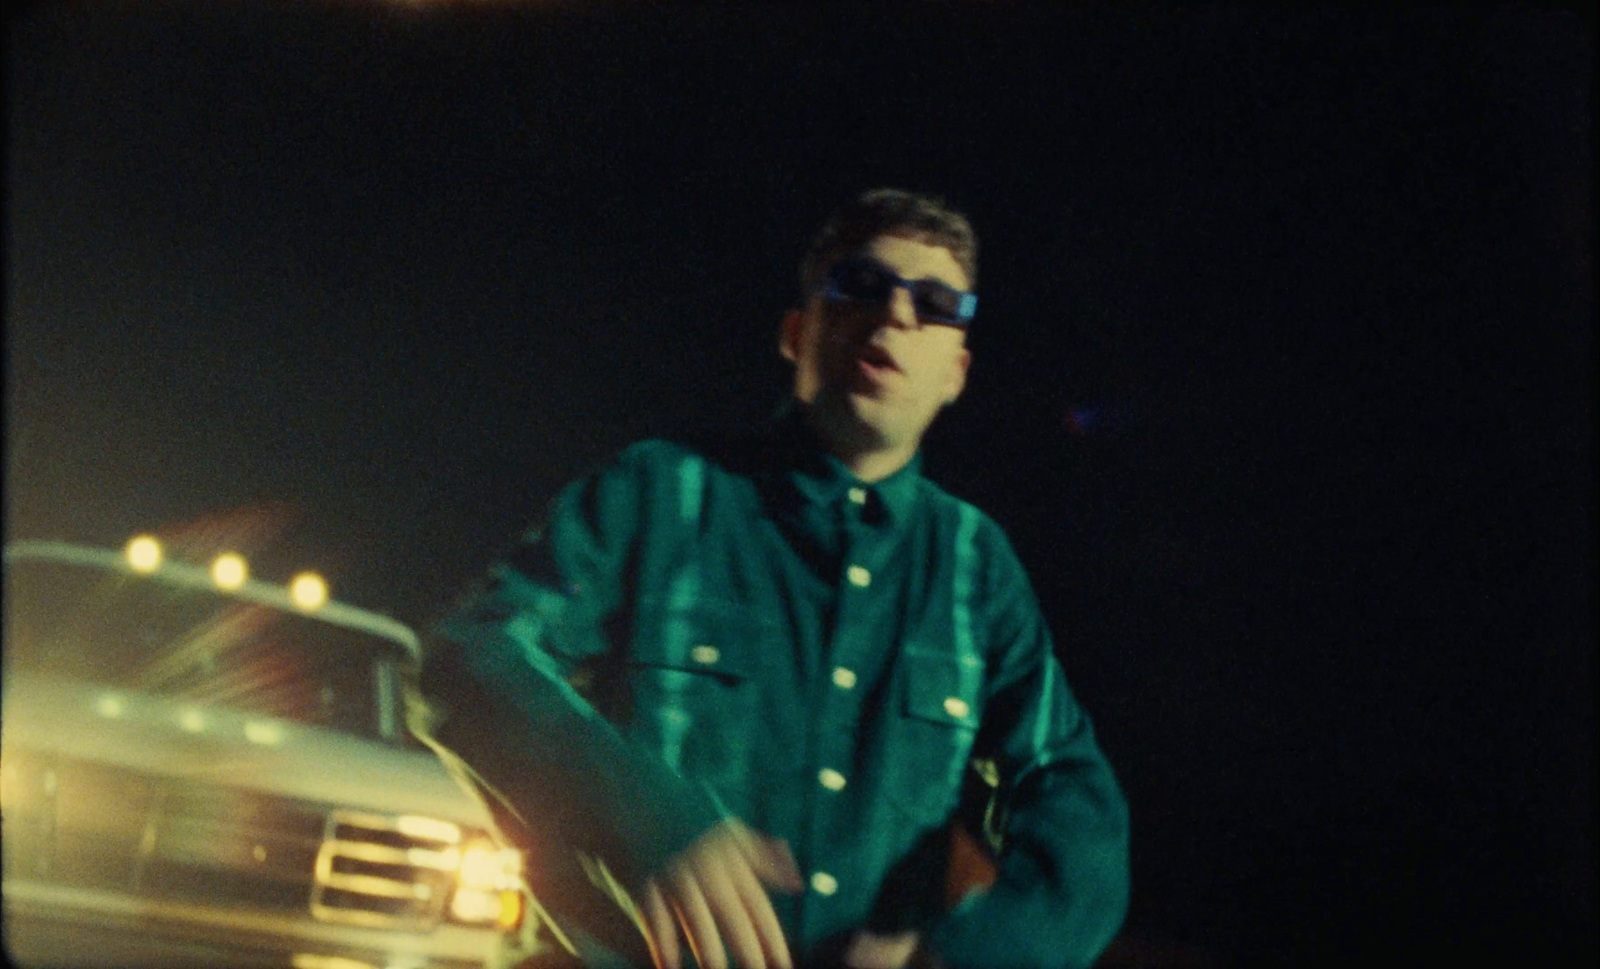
(747, 629)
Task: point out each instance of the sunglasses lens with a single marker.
(936, 301)
(862, 281)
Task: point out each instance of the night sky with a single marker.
(1283, 375)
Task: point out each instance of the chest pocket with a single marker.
(692, 686)
(938, 719)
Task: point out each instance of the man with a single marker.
(746, 681)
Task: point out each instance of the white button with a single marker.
(705, 655)
(955, 706)
(844, 679)
(858, 495)
(823, 883)
(831, 779)
(858, 576)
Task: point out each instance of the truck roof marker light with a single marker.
(308, 590)
(109, 705)
(143, 553)
(192, 721)
(229, 570)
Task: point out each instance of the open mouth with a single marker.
(876, 358)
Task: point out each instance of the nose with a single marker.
(900, 311)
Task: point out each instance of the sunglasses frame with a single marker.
(966, 306)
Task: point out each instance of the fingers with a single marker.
(752, 859)
(659, 918)
(769, 858)
(699, 923)
(715, 892)
(870, 950)
(724, 883)
(766, 934)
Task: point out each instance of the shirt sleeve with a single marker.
(499, 671)
(1062, 884)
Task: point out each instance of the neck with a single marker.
(861, 450)
(874, 466)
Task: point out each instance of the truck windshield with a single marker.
(138, 633)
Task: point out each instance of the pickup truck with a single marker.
(198, 768)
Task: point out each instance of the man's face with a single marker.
(876, 372)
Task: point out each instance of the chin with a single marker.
(871, 414)
(868, 422)
(879, 428)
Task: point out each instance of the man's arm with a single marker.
(1062, 886)
(498, 666)
(498, 672)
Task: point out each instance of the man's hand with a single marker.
(870, 950)
(715, 891)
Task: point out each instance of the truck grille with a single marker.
(227, 845)
(90, 825)
(376, 869)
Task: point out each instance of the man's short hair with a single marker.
(891, 211)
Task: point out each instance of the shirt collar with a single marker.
(820, 478)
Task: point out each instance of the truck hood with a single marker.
(212, 745)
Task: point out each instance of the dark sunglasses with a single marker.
(867, 281)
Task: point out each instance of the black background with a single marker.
(1283, 378)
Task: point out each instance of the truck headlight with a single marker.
(487, 881)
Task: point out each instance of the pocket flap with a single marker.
(713, 638)
(939, 688)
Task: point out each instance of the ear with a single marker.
(956, 381)
(790, 333)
